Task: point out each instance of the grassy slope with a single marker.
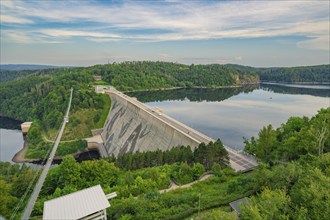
(82, 122)
(80, 125)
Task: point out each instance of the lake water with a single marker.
(233, 113)
(11, 138)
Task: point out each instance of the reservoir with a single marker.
(11, 138)
(234, 113)
(228, 113)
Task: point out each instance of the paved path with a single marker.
(238, 161)
(174, 186)
(29, 207)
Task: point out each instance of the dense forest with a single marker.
(205, 154)
(295, 176)
(71, 176)
(43, 99)
(292, 140)
(300, 74)
(156, 75)
(313, 74)
(291, 182)
(11, 74)
(148, 75)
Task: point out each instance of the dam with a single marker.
(133, 126)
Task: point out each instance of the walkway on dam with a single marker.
(238, 161)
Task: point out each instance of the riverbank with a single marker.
(192, 87)
(19, 157)
(295, 83)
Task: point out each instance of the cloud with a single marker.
(173, 20)
(17, 37)
(12, 19)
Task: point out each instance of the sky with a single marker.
(83, 33)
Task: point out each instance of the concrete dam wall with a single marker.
(131, 126)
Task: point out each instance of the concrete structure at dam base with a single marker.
(132, 126)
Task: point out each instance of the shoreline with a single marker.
(193, 87)
(19, 157)
(295, 83)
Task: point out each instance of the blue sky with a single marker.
(255, 33)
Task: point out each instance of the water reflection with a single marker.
(315, 90)
(194, 95)
(231, 114)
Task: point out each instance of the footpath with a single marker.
(174, 186)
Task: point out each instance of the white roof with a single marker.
(76, 205)
(27, 123)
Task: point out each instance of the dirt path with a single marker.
(174, 186)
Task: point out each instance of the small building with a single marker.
(90, 203)
(235, 205)
(26, 127)
(97, 77)
(103, 89)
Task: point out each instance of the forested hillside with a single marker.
(156, 75)
(313, 74)
(43, 99)
(9, 74)
(299, 74)
(296, 175)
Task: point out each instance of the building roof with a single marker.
(235, 204)
(76, 205)
(27, 123)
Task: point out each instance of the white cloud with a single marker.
(17, 37)
(73, 33)
(11, 19)
(177, 20)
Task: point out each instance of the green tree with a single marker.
(270, 205)
(70, 172)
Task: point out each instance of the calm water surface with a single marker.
(231, 114)
(11, 141)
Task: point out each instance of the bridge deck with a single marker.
(238, 161)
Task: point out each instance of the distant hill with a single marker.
(27, 67)
(17, 71)
(299, 74)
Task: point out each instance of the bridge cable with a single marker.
(31, 182)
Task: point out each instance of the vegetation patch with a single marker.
(38, 147)
(71, 147)
(14, 181)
